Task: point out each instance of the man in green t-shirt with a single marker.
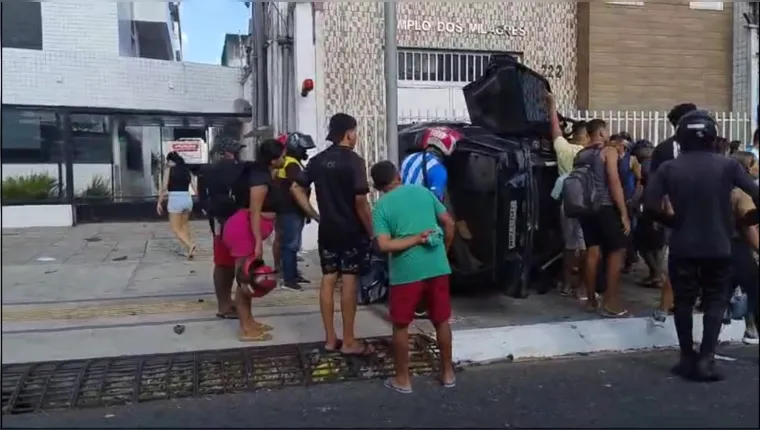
(413, 227)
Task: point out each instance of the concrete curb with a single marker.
(541, 341)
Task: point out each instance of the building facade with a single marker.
(442, 47)
(652, 55)
(596, 55)
(94, 92)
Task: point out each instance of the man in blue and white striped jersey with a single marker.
(437, 143)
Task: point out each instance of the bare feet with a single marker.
(191, 251)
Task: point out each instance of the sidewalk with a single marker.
(120, 289)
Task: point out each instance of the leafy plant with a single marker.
(98, 188)
(34, 186)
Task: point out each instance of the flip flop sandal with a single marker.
(609, 314)
(229, 316)
(261, 337)
(264, 327)
(451, 384)
(191, 252)
(366, 351)
(389, 383)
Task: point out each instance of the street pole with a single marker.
(254, 56)
(391, 82)
(756, 7)
(260, 46)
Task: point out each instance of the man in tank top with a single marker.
(609, 228)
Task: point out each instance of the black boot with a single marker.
(685, 366)
(706, 369)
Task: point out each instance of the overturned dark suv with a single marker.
(500, 180)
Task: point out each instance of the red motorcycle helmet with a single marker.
(258, 278)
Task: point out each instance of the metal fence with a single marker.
(653, 126)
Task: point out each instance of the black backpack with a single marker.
(222, 182)
(580, 196)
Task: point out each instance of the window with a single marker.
(30, 137)
(91, 139)
(706, 5)
(21, 24)
(433, 66)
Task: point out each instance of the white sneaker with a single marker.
(659, 318)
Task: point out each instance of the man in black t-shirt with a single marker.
(345, 226)
(665, 151)
(668, 148)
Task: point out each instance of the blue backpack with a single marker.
(627, 178)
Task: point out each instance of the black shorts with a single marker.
(346, 259)
(604, 229)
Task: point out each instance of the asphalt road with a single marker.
(633, 391)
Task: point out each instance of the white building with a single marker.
(103, 81)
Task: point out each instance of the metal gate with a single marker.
(430, 82)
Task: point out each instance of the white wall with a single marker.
(79, 26)
(80, 66)
(152, 11)
(67, 78)
(305, 55)
(37, 216)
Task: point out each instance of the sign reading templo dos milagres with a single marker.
(456, 28)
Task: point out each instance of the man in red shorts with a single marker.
(215, 182)
(413, 227)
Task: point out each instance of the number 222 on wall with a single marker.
(552, 70)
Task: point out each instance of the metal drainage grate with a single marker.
(32, 387)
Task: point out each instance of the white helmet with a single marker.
(442, 138)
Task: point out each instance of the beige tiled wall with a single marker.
(352, 39)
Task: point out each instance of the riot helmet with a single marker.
(297, 145)
(697, 131)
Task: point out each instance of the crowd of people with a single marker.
(686, 206)
(249, 201)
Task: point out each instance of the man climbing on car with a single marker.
(572, 234)
(427, 168)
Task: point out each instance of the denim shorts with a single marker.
(179, 202)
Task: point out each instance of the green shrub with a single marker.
(99, 187)
(34, 186)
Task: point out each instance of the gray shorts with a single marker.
(572, 233)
